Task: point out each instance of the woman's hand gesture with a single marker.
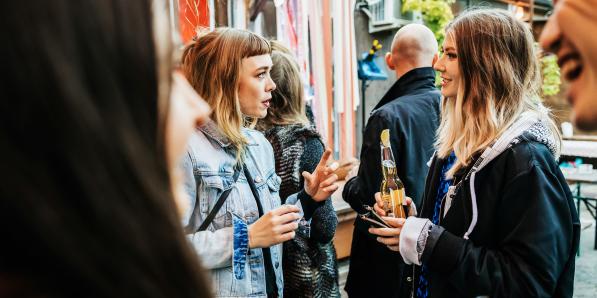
(320, 184)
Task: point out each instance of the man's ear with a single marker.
(389, 61)
(435, 58)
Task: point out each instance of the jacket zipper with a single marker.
(412, 287)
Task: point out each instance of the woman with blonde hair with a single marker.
(297, 148)
(497, 218)
(236, 221)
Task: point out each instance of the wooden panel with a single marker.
(343, 238)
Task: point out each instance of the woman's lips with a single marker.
(445, 81)
(266, 103)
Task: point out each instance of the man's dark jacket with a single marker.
(411, 110)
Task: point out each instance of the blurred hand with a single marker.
(274, 227)
(354, 171)
(346, 166)
(320, 184)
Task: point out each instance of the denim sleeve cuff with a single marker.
(413, 238)
(241, 246)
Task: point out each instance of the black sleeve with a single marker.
(362, 188)
(309, 161)
(535, 239)
(322, 214)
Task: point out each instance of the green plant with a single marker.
(551, 75)
(436, 14)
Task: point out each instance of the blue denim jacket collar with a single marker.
(213, 132)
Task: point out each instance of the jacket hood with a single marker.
(531, 125)
(541, 133)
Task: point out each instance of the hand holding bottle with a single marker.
(390, 236)
(379, 204)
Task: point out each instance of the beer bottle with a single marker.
(392, 188)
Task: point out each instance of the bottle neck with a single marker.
(386, 154)
(387, 163)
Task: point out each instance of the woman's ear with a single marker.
(389, 61)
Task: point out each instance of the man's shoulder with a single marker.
(418, 97)
(421, 100)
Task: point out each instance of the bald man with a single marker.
(410, 109)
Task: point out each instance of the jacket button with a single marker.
(409, 279)
(258, 179)
(277, 265)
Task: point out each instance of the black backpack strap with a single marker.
(212, 214)
(253, 190)
(270, 275)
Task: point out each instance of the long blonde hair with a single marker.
(288, 99)
(212, 64)
(499, 80)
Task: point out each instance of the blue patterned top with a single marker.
(444, 185)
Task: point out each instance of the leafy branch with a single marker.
(551, 75)
(436, 14)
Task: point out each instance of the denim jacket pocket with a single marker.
(211, 189)
(273, 183)
(273, 187)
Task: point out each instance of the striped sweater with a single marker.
(309, 262)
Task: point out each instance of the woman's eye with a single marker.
(451, 55)
(261, 75)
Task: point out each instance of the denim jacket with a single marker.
(236, 270)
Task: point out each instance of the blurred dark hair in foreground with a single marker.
(86, 207)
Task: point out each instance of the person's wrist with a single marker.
(306, 189)
(250, 236)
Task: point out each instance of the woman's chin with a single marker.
(256, 114)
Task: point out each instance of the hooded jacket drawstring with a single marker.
(506, 140)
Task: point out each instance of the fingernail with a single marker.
(334, 166)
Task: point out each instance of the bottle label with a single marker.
(393, 203)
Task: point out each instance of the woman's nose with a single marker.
(439, 65)
(271, 86)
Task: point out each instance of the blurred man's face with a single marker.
(570, 34)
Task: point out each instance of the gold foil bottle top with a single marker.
(385, 137)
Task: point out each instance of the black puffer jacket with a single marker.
(526, 234)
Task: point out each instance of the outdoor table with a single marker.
(578, 179)
(587, 149)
